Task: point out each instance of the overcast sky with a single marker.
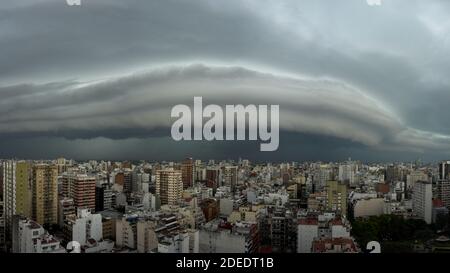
(99, 80)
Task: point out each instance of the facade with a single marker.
(119, 179)
(239, 238)
(337, 197)
(30, 237)
(213, 178)
(108, 228)
(230, 177)
(126, 232)
(169, 186)
(45, 194)
(66, 207)
(103, 198)
(422, 200)
(17, 191)
(128, 183)
(438, 212)
(368, 207)
(83, 226)
(187, 173)
(415, 176)
(147, 240)
(81, 188)
(334, 245)
(283, 230)
(210, 208)
(444, 170)
(226, 206)
(317, 202)
(177, 243)
(2, 216)
(394, 173)
(323, 226)
(308, 230)
(443, 192)
(347, 172)
(9, 193)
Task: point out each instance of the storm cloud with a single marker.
(374, 79)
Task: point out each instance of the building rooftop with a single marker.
(346, 245)
(308, 221)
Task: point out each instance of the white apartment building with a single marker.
(178, 243)
(32, 238)
(126, 232)
(324, 226)
(422, 200)
(307, 231)
(84, 226)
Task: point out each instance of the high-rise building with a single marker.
(103, 198)
(119, 179)
(283, 231)
(23, 189)
(128, 183)
(66, 207)
(169, 186)
(444, 169)
(212, 178)
(415, 176)
(326, 174)
(337, 197)
(9, 186)
(45, 194)
(394, 173)
(1, 182)
(230, 174)
(109, 228)
(17, 191)
(347, 172)
(83, 193)
(62, 164)
(2, 215)
(81, 188)
(187, 172)
(443, 192)
(422, 200)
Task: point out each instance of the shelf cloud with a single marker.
(111, 70)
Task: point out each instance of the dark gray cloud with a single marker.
(375, 76)
(296, 147)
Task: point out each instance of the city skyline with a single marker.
(193, 206)
(417, 161)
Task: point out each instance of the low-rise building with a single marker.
(31, 237)
(334, 245)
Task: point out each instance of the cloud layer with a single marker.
(141, 102)
(376, 76)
